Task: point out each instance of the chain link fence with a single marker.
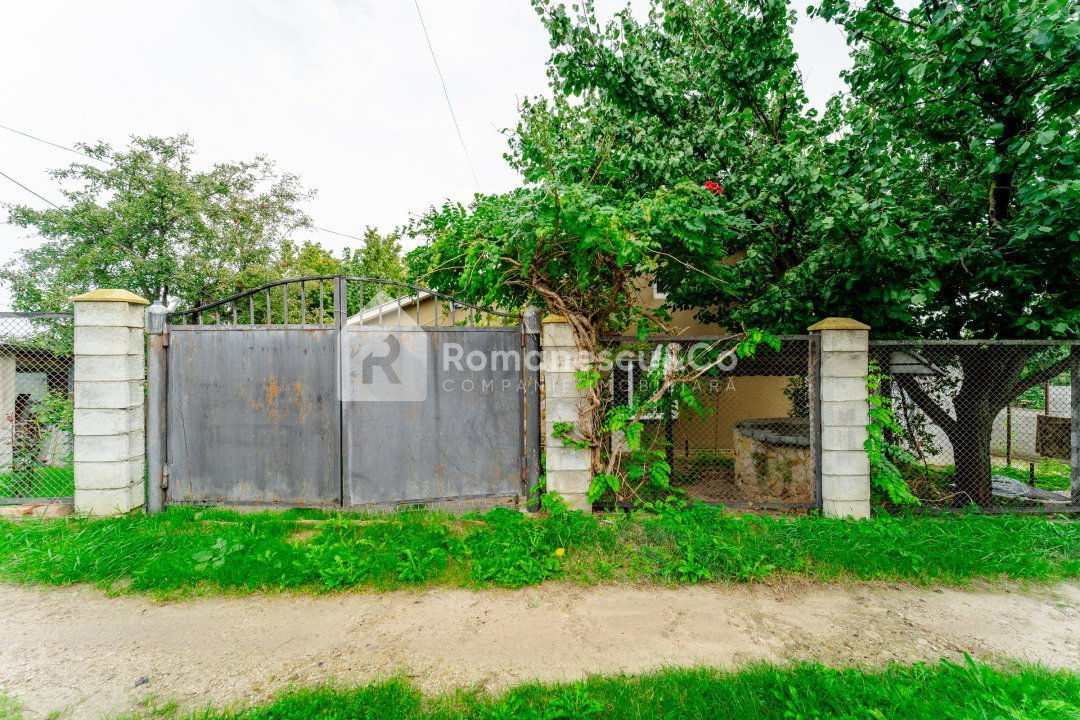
(745, 440)
(979, 423)
(36, 407)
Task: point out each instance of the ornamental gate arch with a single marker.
(343, 391)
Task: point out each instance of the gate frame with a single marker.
(159, 319)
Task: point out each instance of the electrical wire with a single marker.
(73, 150)
(48, 142)
(446, 94)
(335, 232)
(37, 195)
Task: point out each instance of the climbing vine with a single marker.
(886, 479)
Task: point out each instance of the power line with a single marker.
(446, 93)
(40, 197)
(48, 142)
(335, 232)
(77, 152)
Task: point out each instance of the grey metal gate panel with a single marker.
(447, 431)
(253, 415)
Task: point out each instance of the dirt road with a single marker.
(77, 650)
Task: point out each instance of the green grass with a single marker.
(945, 691)
(934, 481)
(45, 482)
(1050, 474)
(185, 550)
(10, 708)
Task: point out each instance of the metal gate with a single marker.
(336, 391)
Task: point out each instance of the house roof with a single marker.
(387, 308)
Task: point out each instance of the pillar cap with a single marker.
(838, 323)
(111, 295)
(555, 319)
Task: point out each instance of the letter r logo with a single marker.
(384, 366)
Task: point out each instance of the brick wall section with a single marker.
(845, 467)
(110, 372)
(567, 470)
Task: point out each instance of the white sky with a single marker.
(342, 92)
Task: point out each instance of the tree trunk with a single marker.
(970, 439)
(989, 380)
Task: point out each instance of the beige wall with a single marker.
(743, 398)
(740, 399)
(683, 322)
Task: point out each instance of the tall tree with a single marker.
(144, 219)
(964, 132)
(939, 199)
(378, 257)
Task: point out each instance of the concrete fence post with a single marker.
(567, 471)
(844, 412)
(110, 376)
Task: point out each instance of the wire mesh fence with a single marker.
(983, 423)
(36, 407)
(745, 439)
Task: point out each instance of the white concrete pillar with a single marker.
(110, 374)
(844, 413)
(567, 470)
(7, 412)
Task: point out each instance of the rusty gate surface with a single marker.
(334, 391)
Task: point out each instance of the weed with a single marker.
(184, 550)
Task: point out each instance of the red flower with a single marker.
(714, 187)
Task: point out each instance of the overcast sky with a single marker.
(342, 92)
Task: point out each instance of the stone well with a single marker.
(772, 459)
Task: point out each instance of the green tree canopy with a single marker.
(378, 257)
(938, 198)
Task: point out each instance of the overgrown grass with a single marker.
(919, 692)
(187, 550)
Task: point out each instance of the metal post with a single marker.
(157, 331)
(1008, 434)
(813, 389)
(1074, 408)
(341, 319)
(530, 368)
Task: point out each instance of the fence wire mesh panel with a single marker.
(981, 423)
(36, 407)
(745, 439)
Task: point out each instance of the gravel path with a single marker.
(74, 649)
